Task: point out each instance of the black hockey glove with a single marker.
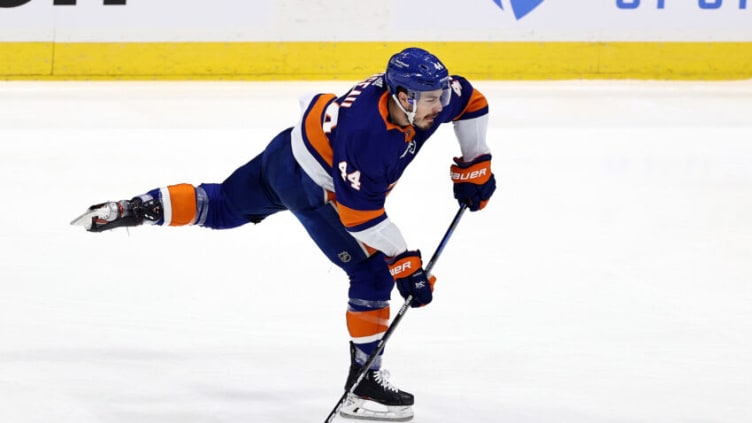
(411, 279)
(474, 183)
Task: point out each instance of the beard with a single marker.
(425, 122)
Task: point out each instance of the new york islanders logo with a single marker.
(520, 7)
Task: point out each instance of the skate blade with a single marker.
(85, 219)
(362, 409)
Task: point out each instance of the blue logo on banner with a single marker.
(520, 7)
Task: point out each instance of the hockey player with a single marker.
(333, 171)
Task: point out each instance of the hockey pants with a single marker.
(272, 182)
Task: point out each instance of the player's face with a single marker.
(428, 107)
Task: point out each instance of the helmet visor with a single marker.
(442, 95)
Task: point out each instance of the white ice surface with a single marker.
(607, 281)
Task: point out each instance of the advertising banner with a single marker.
(346, 20)
(324, 39)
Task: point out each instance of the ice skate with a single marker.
(375, 398)
(115, 214)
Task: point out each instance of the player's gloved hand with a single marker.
(474, 183)
(407, 271)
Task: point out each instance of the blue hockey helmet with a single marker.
(415, 70)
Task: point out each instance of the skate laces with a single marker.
(381, 377)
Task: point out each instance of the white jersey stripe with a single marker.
(166, 205)
(307, 161)
(368, 339)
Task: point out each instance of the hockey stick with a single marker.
(400, 314)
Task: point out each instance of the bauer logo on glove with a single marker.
(405, 266)
(411, 279)
(473, 176)
(474, 183)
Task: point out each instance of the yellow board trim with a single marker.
(265, 61)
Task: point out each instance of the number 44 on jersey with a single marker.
(353, 177)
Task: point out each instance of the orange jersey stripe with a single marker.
(367, 323)
(183, 200)
(351, 217)
(314, 130)
(369, 250)
(477, 102)
(384, 112)
(332, 198)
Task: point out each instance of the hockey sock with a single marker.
(183, 204)
(367, 321)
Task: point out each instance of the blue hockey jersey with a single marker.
(349, 146)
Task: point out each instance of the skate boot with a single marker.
(115, 214)
(375, 398)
